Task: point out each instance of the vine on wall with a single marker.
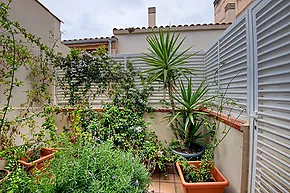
(16, 56)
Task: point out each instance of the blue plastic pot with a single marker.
(190, 155)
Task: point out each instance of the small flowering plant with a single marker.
(89, 167)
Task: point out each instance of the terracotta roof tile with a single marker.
(173, 26)
(96, 38)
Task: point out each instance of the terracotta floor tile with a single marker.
(154, 186)
(178, 188)
(155, 177)
(167, 187)
(177, 178)
(167, 178)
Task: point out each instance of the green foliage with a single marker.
(90, 167)
(124, 126)
(127, 95)
(18, 182)
(189, 119)
(153, 153)
(126, 129)
(87, 71)
(166, 65)
(202, 172)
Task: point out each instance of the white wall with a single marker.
(197, 37)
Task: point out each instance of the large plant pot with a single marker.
(218, 186)
(4, 175)
(45, 154)
(190, 155)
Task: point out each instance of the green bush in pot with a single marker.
(189, 119)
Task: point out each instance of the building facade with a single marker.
(229, 10)
(91, 44)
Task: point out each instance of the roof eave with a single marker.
(86, 41)
(180, 28)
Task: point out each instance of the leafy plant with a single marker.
(189, 119)
(202, 172)
(166, 64)
(90, 167)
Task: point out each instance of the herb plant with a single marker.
(92, 167)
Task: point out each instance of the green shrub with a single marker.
(90, 167)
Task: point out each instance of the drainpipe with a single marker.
(110, 47)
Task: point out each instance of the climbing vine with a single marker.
(22, 53)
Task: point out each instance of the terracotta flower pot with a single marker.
(45, 154)
(6, 174)
(218, 186)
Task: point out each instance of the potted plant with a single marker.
(36, 157)
(216, 183)
(203, 176)
(166, 63)
(189, 120)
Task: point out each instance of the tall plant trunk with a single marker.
(187, 133)
(172, 104)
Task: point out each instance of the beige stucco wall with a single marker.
(39, 21)
(219, 10)
(197, 37)
(160, 125)
(230, 157)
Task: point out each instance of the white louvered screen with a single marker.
(271, 21)
(62, 98)
(211, 69)
(196, 63)
(233, 70)
(226, 69)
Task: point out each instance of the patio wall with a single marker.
(230, 157)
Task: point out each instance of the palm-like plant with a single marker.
(165, 61)
(189, 117)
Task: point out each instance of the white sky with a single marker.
(95, 18)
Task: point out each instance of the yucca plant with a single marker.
(165, 60)
(189, 118)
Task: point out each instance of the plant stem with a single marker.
(170, 93)
(11, 84)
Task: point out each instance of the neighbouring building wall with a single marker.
(91, 44)
(229, 10)
(37, 20)
(198, 37)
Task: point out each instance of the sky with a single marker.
(97, 18)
